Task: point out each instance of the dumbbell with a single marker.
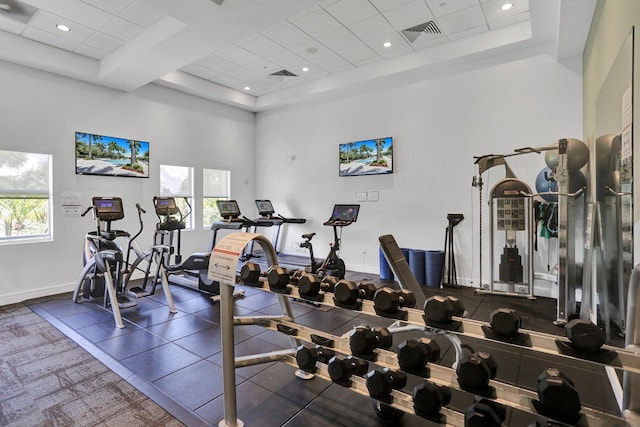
(414, 354)
(440, 310)
(505, 322)
(363, 340)
(341, 368)
(310, 285)
(278, 278)
(250, 274)
(585, 336)
(381, 382)
(306, 357)
(389, 301)
(485, 413)
(475, 370)
(347, 292)
(429, 398)
(558, 398)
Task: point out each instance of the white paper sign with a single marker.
(225, 256)
(627, 120)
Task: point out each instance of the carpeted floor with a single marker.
(46, 379)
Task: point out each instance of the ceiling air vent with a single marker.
(414, 32)
(282, 74)
(218, 2)
(17, 11)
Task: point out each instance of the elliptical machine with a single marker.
(107, 272)
(333, 265)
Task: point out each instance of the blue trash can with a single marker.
(416, 264)
(385, 269)
(434, 263)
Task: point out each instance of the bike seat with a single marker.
(308, 236)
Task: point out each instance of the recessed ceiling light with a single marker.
(63, 27)
(247, 88)
(506, 6)
(305, 69)
(387, 44)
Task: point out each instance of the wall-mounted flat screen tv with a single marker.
(369, 157)
(111, 156)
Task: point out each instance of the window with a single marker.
(25, 197)
(215, 186)
(177, 181)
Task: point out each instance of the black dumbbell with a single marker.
(388, 413)
(341, 368)
(308, 356)
(414, 354)
(429, 398)
(505, 322)
(558, 398)
(363, 340)
(485, 413)
(585, 336)
(278, 277)
(439, 309)
(309, 286)
(381, 382)
(389, 301)
(348, 292)
(250, 274)
(475, 370)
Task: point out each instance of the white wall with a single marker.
(438, 126)
(40, 112)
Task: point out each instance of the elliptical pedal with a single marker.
(124, 302)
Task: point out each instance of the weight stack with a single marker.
(511, 269)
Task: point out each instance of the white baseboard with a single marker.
(21, 296)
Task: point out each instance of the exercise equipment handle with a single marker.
(86, 211)
(554, 193)
(616, 193)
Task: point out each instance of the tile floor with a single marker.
(176, 359)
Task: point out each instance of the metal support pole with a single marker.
(631, 381)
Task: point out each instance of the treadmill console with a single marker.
(108, 208)
(229, 209)
(169, 214)
(265, 208)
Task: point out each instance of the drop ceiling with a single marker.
(262, 54)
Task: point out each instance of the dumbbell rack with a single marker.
(503, 393)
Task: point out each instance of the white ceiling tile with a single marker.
(201, 71)
(77, 11)
(46, 21)
(357, 53)
(219, 64)
(260, 45)
(514, 19)
(317, 24)
(396, 40)
(50, 38)
(303, 13)
(394, 53)
(350, 11)
(229, 81)
(383, 5)
(103, 41)
(310, 50)
(409, 15)
(427, 40)
(339, 39)
(263, 67)
(314, 73)
(441, 8)
(287, 35)
(11, 25)
(139, 12)
(121, 28)
(371, 28)
(468, 33)
(289, 60)
(494, 13)
(238, 55)
(246, 75)
(90, 52)
(111, 6)
(464, 20)
(368, 61)
(333, 63)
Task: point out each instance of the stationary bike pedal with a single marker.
(124, 302)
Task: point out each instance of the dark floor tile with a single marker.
(127, 345)
(194, 385)
(207, 342)
(255, 406)
(281, 379)
(106, 330)
(257, 302)
(181, 327)
(328, 320)
(63, 306)
(149, 318)
(160, 361)
(306, 418)
(88, 317)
